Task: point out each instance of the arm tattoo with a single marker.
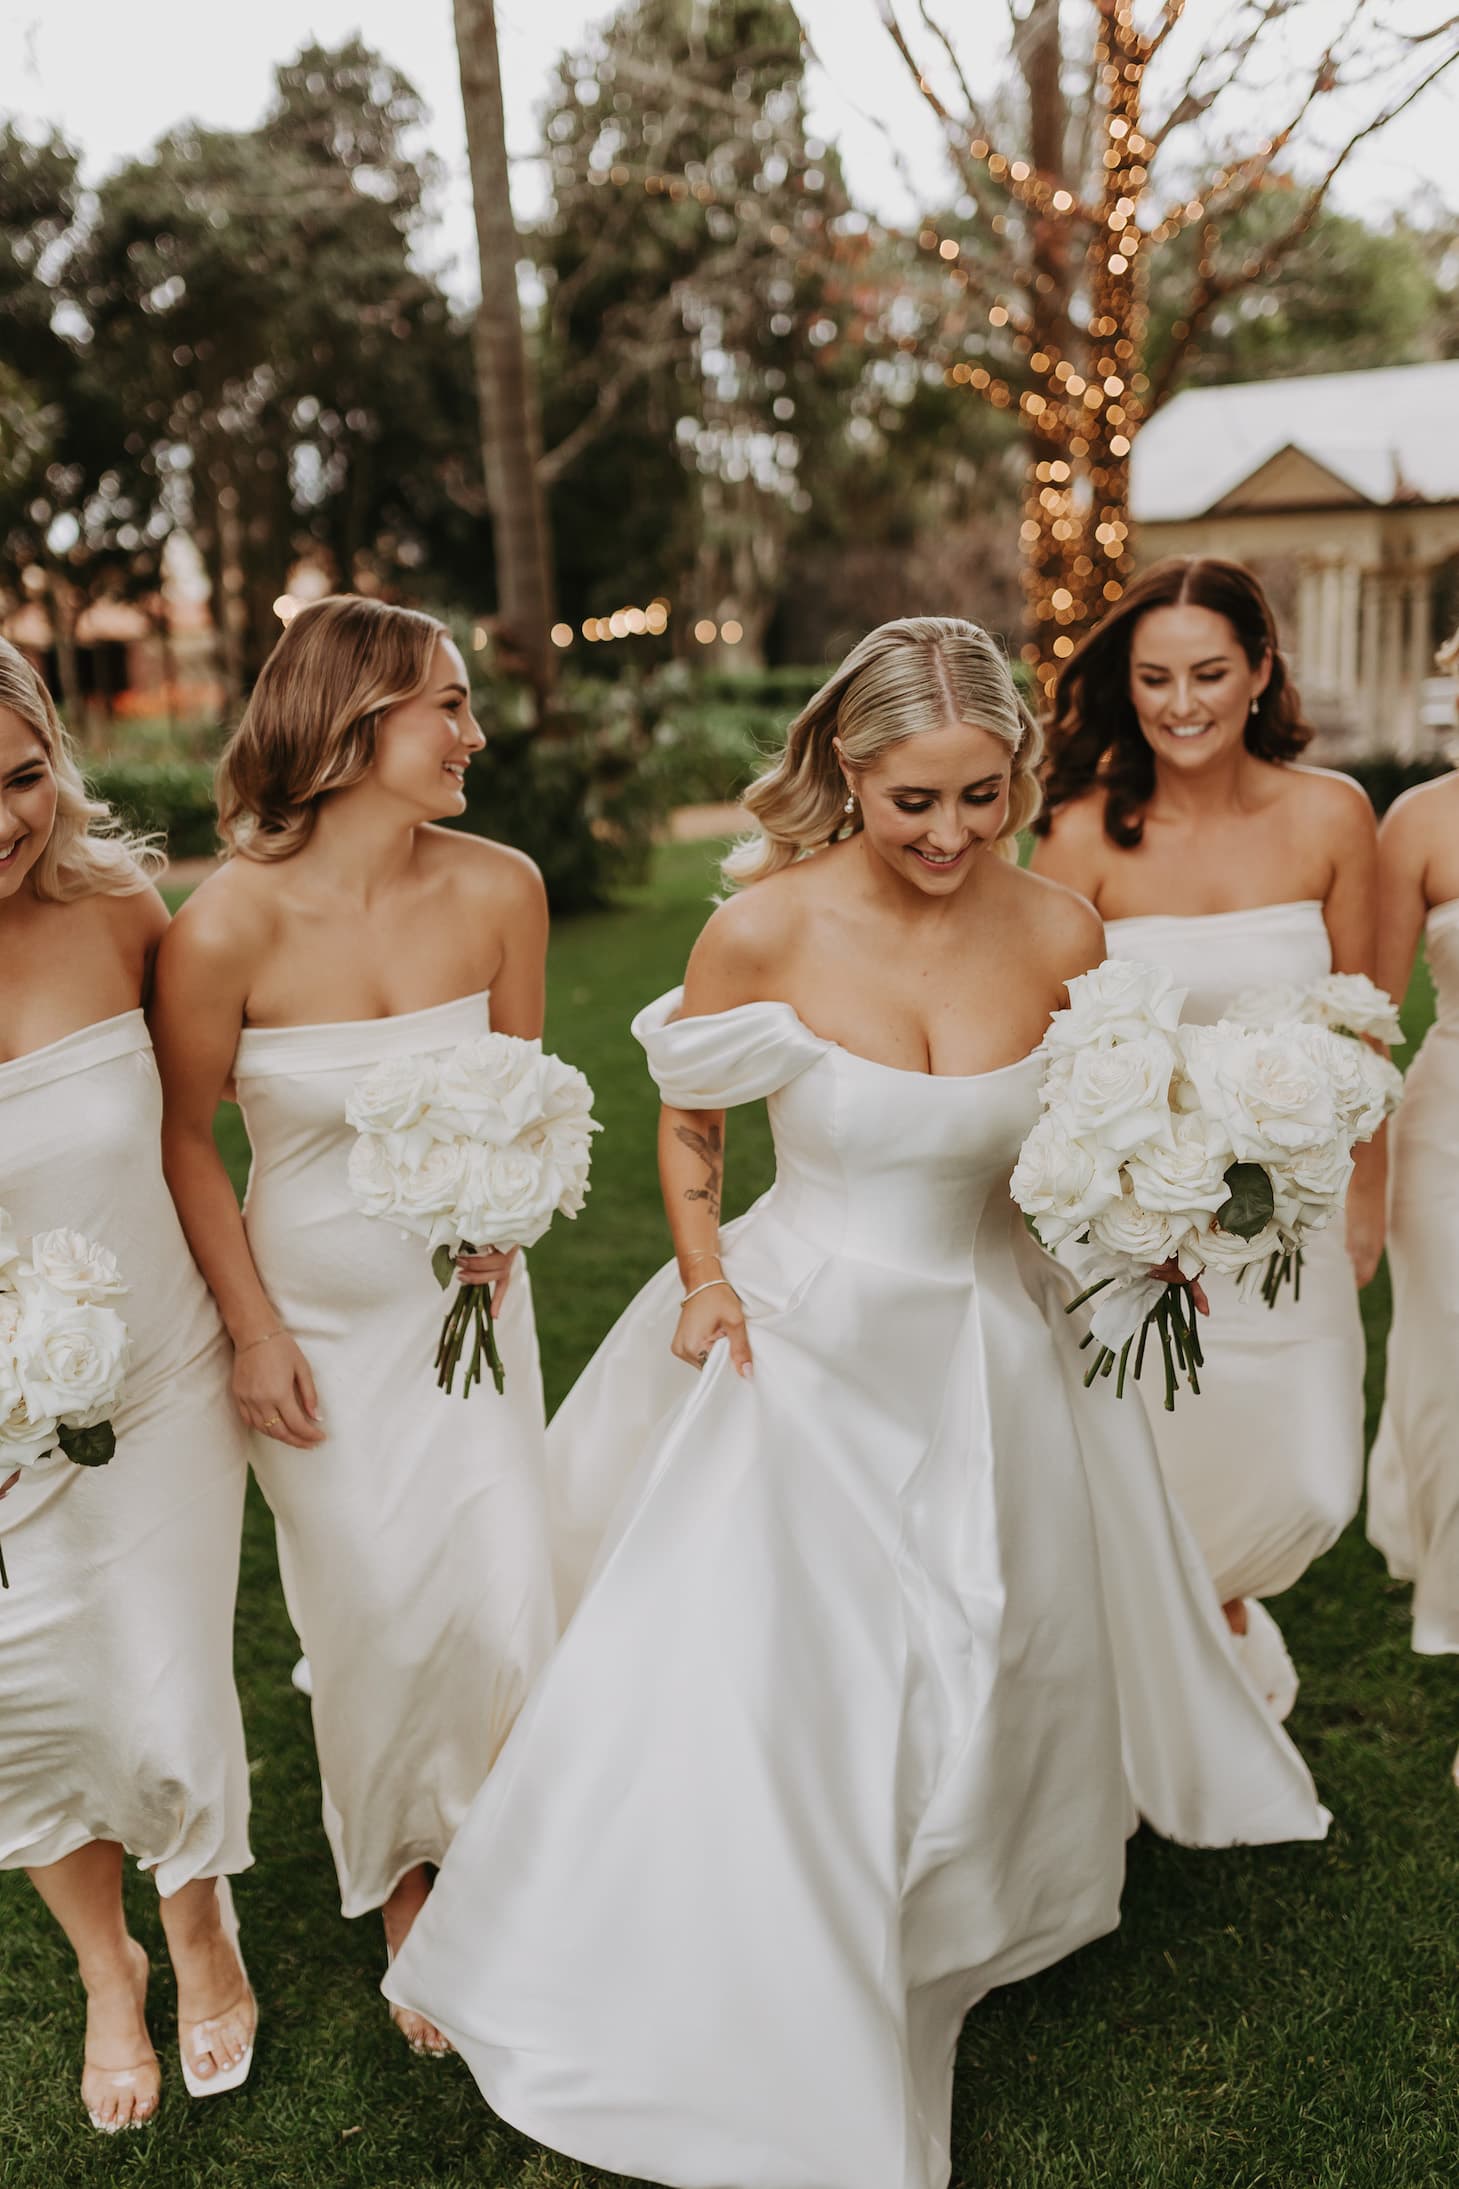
(709, 1147)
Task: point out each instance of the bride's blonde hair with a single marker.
(915, 674)
(310, 726)
(89, 852)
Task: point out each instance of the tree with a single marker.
(1065, 224)
(286, 381)
(506, 391)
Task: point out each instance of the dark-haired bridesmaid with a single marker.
(1178, 804)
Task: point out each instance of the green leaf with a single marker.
(88, 1447)
(443, 1262)
(1249, 1209)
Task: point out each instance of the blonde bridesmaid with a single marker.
(119, 1724)
(1178, 805)
(345, 927)
(1413, 1493)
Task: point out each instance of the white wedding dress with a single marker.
(118, 1715)
(413, 1541)
(878, 1655)
(1267, 1464)
(1413, 1483)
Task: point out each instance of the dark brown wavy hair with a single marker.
(1096, 741)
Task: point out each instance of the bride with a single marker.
(881, 1630)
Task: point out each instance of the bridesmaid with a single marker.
(1413, 1494)
(345, 928)
(119, 1723)
(1176, 805)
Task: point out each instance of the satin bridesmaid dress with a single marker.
(876, 1657)
(1267, 1464)
(412, 1542)
(119, 1718)
(1413, 1488)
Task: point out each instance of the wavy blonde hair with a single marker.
(311, 723)
(89, 852)
(915, 674)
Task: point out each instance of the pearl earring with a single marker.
(1255, 707)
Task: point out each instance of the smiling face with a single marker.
(1192, 685)
(422, 747)
(27, 801)
(931, 802)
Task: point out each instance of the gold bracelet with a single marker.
(268, 1339)
(688, 1296)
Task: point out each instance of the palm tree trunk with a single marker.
(510, 432)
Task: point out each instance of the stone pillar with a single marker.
(1350, 596)
(1309, 626)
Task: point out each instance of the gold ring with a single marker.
(271, 1420)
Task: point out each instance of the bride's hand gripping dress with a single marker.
(875, 1655)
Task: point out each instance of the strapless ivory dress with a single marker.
(1267, 1464)
(1413, 1485)
(119, 1718)
(413, 1542)
(875, 1658)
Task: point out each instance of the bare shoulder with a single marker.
(1072, 849)
(1332, 802)
(1421, 817)
(481, 865)
(1060, 921)
(752, 927)
(227, 922)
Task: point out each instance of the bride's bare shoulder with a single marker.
(744, 943)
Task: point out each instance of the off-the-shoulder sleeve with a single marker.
(726, 1057)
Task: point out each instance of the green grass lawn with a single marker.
(1262, 2020)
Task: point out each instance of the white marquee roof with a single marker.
(1331, 438)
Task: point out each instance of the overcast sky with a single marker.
(115, 76)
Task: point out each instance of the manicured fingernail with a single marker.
(747, 1372)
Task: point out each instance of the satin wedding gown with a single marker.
(412, 1542)
(118, 1715)
(833, 1741)
(1413, 1487)
(1267, 1464)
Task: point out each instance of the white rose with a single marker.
(510, 1197)
(1060, 1183)
(1119, 1097)
(69, 1360)
(566, 1093)
(1265, 1089)
(1273, 1006)
(75, 1266)
(1312, 1188)
(1144, 1236)
(372, 1176)
(1188, 1175)
(1350, 1003)
(562, 1144)
(394, 1096)
(24, 1440)
(491, 1089)
(1224, 1254)
(429, 1184)
(1120, 1000)
(1384, 1085)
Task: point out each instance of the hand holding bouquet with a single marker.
(63, 1350)
(1166, 1150)
(472, 1148)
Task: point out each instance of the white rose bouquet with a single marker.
(63, 1351)
(474, 1147)
(1166, 1150)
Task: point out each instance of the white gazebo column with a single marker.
(1392, 717)
(1350, 593)
(1370, 660)
(1418, 592)
(1309, 625)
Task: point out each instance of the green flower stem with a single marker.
(4, 1576)
(1088, 1294)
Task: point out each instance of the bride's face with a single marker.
(933, 801)
(423, 747)
(1192, 685)
(27, 801)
